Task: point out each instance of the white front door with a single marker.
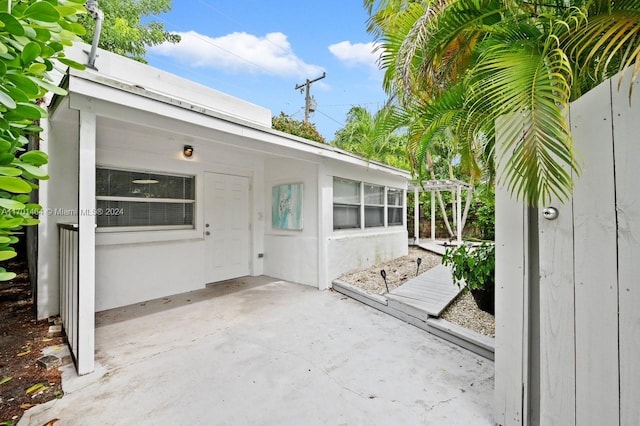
(226, 226)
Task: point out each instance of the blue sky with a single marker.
(259, 50)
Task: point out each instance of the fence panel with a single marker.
(69, 285)
(626, 124)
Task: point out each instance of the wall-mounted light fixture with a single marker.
(187, 150)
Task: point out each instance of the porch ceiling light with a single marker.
(187, 150)
(144, 181)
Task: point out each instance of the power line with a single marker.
(330, 118)
(206, 40)
(355, 103)
(235, 21)
(193, 73)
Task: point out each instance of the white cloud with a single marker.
(271, 54)
(356, 54)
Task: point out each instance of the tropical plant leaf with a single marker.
(42, 11)
(7, 254)
(36, 158)
(11, 24)
(14, 184)
(7, 276)
(10, 205)
(30, 52)
(7, 100)
(34, 171)
(35, 388)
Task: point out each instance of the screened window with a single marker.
(395, 201)
(373, 205)
(346, 203)
(130, 200)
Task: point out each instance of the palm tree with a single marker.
(372, 137)
(463, 64)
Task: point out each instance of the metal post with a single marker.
(416, 216)
(433, 216)
(459, 214)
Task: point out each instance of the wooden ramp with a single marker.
(426, 295)
(437, 246)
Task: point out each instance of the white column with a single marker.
(86, 242)
(325, 224)
(459, 214)
(433, 216)
(416, 216)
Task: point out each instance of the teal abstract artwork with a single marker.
(286, 206)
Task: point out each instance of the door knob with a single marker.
(207, 233)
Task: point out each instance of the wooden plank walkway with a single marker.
(426, 295)
(437, 246)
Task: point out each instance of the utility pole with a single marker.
(308, 99)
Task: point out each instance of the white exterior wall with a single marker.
(351, 249)
(137, 266)
(292, 255)
(59, 198)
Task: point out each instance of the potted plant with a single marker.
(474, 268)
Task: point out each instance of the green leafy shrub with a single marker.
(33, 35)
(289, 125)
(474, 266)
(486, 212)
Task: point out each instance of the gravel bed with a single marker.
(462, 311)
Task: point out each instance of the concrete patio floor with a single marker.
(263, 351)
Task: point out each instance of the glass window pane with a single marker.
(373, 194)
(119, 184)
(373, 216)
(102, 182)
(346, 217)
(394, 216)
(394, 197)
(131, 213)
(346, 191)
(140, 187)
(122, 183)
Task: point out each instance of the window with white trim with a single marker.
(346, 203)
(373, 205)
(395, 206)
(129, 200)
(376, 205)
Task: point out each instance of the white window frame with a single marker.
(343, 205)
(362, 206)
(137, 228)
(373, 206)
(399, 207)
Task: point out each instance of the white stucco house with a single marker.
(153, 222)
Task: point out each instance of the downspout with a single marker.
(96, 13)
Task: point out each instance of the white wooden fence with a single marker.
(568, 290)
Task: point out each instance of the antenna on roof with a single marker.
(95, 12)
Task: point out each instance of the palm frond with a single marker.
(524, 72)
(605, 44)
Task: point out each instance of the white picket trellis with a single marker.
(568, 289)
